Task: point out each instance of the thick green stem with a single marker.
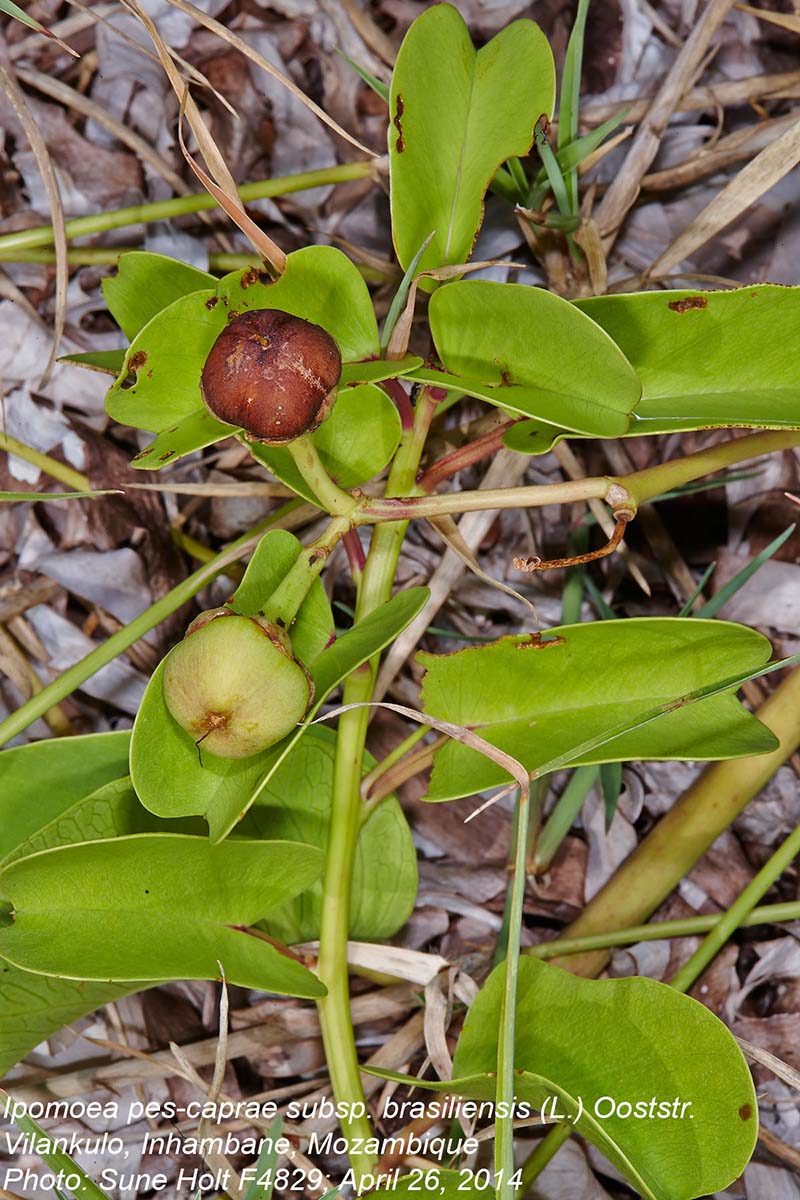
(49, 466)
(621, 492)
(683, 836)
(506, 1038)
(544, 1152)
(284, 603)
(74, 676)
(766, 914)
(346, 814)
(308, 462)
(180, 206)
(738, 913)
(654, 481)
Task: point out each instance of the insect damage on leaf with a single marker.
(400, 144)
(688, 303)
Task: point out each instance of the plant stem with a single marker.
(738, 913)
(545, 1151)
(308, 462)
(683, 836)
(334, 1009)
(559, 823)
(282, 606)
(74, 676)
(653, 481)
(506, 1039)
(49, 466)
(407, 508)
(766, 914)
(621, 492)
(178, 206)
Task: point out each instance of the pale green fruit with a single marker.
(233, 686)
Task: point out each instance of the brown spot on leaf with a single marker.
(746, 1112)
(535, 642)
(212, 302)
(686, 305)
(133, 365)
(166, 455)
(399, 109)
(251, 275)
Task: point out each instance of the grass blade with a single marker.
(741, 577)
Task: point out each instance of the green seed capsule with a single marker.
(233, 686)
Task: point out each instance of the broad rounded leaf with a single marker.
(156, 907)
(145, 283)
(538, 699)
(455, 115)
(297, 803)
(708, 358)
(33, 1007)
(523, 349)
(631, 1040)
(41, 780)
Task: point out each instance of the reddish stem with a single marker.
(395, 389)
(355, 552)
(465, 456)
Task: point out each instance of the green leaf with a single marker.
(627, 1041)
(374, 370)
(156, 907)
(355, 443)
(195, 432)
(58, 1160)
(710, 358)
(107, 362)
(537, 360)
(455, 115)
(530, 437)
(538, 700)
(450, 1185)
(145, 284)
(569, 101)
(273, 558)
(40, 781)
(111, 811)
(296, 803)
(721, 598)
(159, 383)
(167, 771)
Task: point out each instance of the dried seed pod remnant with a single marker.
(272, 374)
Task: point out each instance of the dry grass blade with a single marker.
(191, 72)
(727, 93)
(467, 737)
(45, 164)
(779, 1068)
(222, 187)
(622, 194)
(213, 489)
(62, 29)
(242, 46)
(743, 144)
(70, 98)
(782, 20)
(762, 173)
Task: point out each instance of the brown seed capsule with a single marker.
(234, 686)
(272, 374)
